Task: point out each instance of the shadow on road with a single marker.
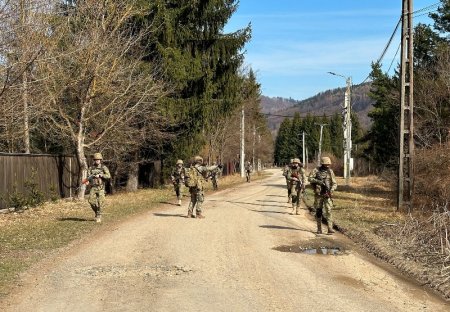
(169, 215)
(269, 211)
(276, 195)
(276, 185)
(255, 204)
(75, 219)
(279, 227)
(167, 203)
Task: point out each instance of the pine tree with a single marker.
(202, 63)
(382, 138)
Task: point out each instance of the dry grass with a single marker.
(32, 234)
(418, 244)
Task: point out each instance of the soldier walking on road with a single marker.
(288, 184)
(215, 174)
(195, 182)
(177, 178)
(248, 170)
(98, 174)
(297, 178)
(323, 181)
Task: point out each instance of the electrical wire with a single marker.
(424, 11)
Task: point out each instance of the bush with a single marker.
(432, 172)
(32, 196)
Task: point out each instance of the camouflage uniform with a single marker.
(97, 175)
(215, 174)
(248, 170)
(177, 178)
(197, 197)
(297, 178)
(323, 181)
(288, 185)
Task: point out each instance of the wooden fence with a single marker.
(54, 175)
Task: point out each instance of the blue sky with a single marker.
(296, 42)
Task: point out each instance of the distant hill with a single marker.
(323, 103)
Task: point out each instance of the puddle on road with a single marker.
(325, 250)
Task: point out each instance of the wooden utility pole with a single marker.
(406, 127)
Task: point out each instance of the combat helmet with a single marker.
(296, 160)
(325, 161)
(98, 156)
(179, 162)
(198, 159)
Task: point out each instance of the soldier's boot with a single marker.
(289, 199)
(330, 228)
(98, 218)
(179, 202)
(297, 208)
(319, 227)
(200, 216)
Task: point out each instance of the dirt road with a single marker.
(162, 261)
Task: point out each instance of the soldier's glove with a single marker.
(220, 166)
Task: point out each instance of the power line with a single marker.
(285, 116)
(393, 59)
(426, 10)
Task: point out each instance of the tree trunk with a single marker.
(132, 182)
(26, 127)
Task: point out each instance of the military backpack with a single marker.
(192, 177)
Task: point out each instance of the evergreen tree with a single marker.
(337, 134)
(382, 138)
(283, 148)
(202, 63)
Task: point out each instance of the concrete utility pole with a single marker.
(347, 125)
(406, 127)
(320, 142)
(303, 147)
(242, 157)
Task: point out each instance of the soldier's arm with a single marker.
(333, 181)
(106, 174)
(312, 177)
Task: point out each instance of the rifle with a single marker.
(90, 178)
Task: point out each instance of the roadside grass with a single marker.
(416, 243)
(32, 234)
(365, 204)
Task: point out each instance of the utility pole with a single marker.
(242, 156)
(347, 131)
(253, 149)
(347, 125)
(303, 147)
(320, 142)
(406, 127)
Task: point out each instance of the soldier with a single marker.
(248, 170)
(215, 174)
(98, 174)
(324, 183)
(197, 174)
(297, 178)
(177, 178)
(285, 174)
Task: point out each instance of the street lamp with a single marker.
(347, 127)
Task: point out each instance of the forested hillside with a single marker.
(325, 103)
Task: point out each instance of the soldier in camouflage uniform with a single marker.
(297, 178)
(324, 183)
(215, 174)
(198, 172)
(288, 184)
(177, 178)
(248, 170)
(98, 174)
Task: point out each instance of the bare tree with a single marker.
(98, 91)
